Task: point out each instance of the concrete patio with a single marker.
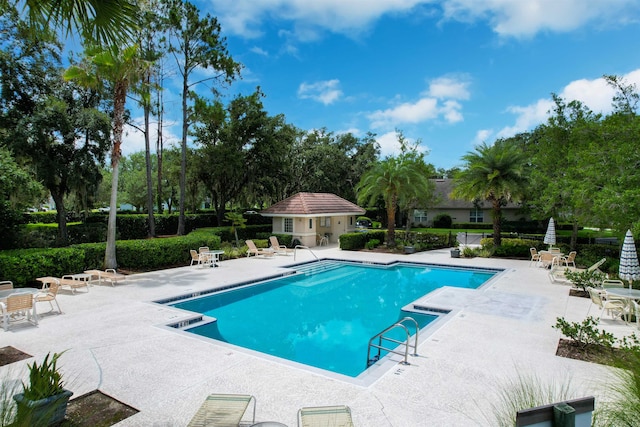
(116, 341)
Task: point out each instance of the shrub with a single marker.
(442, 221)
(585, 334)
(354, 241)
(372, 244)
(584, 279)
(510, 248)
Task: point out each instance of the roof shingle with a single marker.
(313, 204)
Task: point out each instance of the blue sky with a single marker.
(451, 73)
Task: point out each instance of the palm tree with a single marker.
(105, 22)
(121, 68)
(395, 179)
(496, 173)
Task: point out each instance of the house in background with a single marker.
(462, 210)
(309, 216)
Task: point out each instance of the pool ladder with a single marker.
(380, 337)
(295, 251)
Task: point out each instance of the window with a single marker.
(350, 220)
(419, 217)
(325, 221)
(288, 225)
(310, 223)
(476, 215)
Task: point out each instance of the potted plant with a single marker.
(44, 399)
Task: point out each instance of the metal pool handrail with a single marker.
(406, 343)
(295, 251)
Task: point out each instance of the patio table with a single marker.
(212, 258)
(627, 294)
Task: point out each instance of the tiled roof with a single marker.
(313, 204)
(443, 189)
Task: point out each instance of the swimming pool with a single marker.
(324, 317)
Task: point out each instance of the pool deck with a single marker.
(116, 341)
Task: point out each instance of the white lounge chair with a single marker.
(110, 275)
(253, 250)
(223, 410)
(6, 285)
(66, 280)
(278, 248)
(325, 416)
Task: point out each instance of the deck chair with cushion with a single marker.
(6, 285)
(110, 275)
(535, 256)
(223, 410)
(557, 272)
(255, 251)
(66, 281)
(325, 416)
(195, 258)
(278, 248)
(49, 295)
(18, 307)
(569, 259)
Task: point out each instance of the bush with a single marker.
(586, 333)
(442, 221)
(584, 279)
(372, 244)
(510, 248)
(355, 241)
(23, 266)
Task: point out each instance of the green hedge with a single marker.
(357, 241)
(23, 266)
(421, 241)
(510, 248)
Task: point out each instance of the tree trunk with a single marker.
(574, 235)
(391, 219)
(159, 149)
(497, 219)
(119, 98)
(110, 260)
(62, 238)
(147, 156)
(183, 160)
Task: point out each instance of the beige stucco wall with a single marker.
(308, 235)
(462, 215)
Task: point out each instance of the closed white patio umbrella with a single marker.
(550, 236)
(629, 266)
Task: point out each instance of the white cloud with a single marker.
(450, 87)
(525, 18)
(243, 17)
(420, 111)
(527, 117)
(482, 136)
(326, 92)
(438, 101)
(259, 51)
(596, 94)
(133, 139)
(389, 145)
(511, 18)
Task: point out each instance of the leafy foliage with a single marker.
(584, 279)
(497, 174)
(585, 334)
(44, 379)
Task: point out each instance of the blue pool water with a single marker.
(324, 319)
